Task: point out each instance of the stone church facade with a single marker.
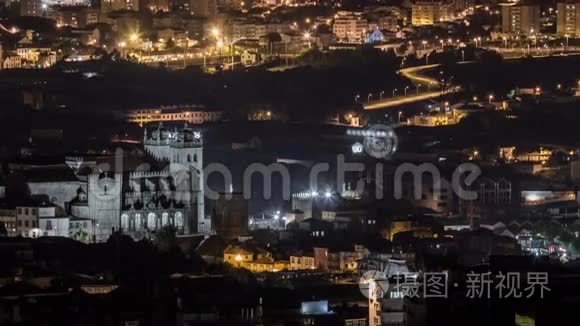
(140, 200)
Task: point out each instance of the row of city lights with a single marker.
(314, 194)
(368, 133)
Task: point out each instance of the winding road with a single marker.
(415, 76)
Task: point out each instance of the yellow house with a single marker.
(256, 261)
(264, 264)
(235, 255)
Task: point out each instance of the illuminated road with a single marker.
(415, 76)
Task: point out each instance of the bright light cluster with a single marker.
(368, 133)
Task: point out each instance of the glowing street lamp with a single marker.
(395, 90)
(400, 113)
(381, 94)
(314, 193)
(369, 97)
(133, 37)
(307, 38)
(406, 87)
(328, 195)
(424, 44)
(215, 32)
(490, 97)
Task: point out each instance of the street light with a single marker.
(307, 38)
(400, 113)
(424, 44)
(395, 90)
(381, 95)
(369, 97)
(133, 37)
(215, 32)
(427, 58)
(356, 97)
(490, 97)
(406, 87)
(418, 85)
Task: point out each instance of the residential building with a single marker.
(8, 218)
(254, 259)
(431, 12)
(35, 55)
(27, 221)
(433, 120)
(116, 5)
(203, 8)
(302, 262)
(236, 255)
(50, 224)
(75, 16)
(349, 27)
(520, 18)
(11, 61)
(568, 18)
(33, 8)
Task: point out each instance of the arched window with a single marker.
(138, 221)
(178, 220)
(188, 158)
(164, 218)
(195, 157)
(152, 221)
(125, 221)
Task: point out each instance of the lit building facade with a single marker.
(115, 5)
(430, 12)
(349, 27)
(518, 18)
(190, 114)
(74, 16)
(568, 18)
(142, 202)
